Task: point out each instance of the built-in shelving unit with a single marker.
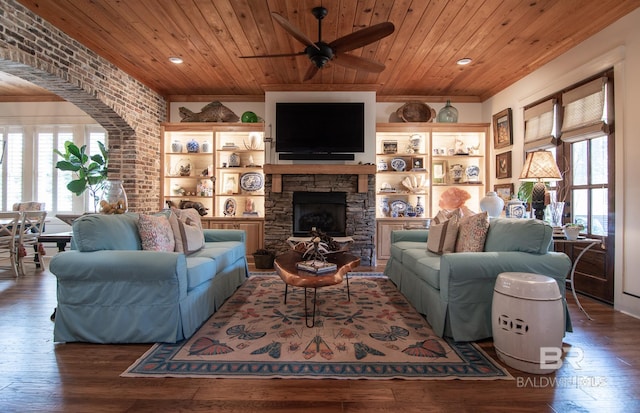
(416, 163)
(221, 166)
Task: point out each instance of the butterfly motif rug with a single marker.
(373, 334)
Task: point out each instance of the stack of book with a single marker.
(316, 266)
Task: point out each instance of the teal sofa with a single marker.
(111, 291)
(455, 290)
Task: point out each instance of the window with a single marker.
(28, 171)
(588, 146)
(589, 184)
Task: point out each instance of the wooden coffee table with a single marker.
(285, 265)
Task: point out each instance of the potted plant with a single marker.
(90, 172)
(571, 231)
(263, 259)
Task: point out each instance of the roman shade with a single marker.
(586, 111)
(540, 130)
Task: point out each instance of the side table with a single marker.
(588, 242)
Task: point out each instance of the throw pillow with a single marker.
(192, 237)
(472, 233)
(445, 214)
(187, 230)
(442, 237)
(177, 235)
(155, 233)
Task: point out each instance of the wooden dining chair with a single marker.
(31, 227)
(9, 223)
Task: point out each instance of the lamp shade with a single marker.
(540, 166)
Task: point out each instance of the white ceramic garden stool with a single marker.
(527, 316)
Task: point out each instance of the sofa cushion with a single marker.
(224, 253)
(472, 233)
(397, 248)
(424, 264)
(515, 234)
(155, 233)
(188, 229)
(200, 270)
(95, 232)
(442, 237)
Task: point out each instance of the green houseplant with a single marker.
(89, 171)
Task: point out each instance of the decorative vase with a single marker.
(114, 198)
(448, 114)
(384, 207)
(234, 160)
(193, 146)
(456, 171)
(206, 146)
(411, 211)
(176, 146)
(382, 165)
(555, 213)
(515, 208)
(492, 204)
(419, 208)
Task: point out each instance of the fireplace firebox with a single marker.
(325, 211)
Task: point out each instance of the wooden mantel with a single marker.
(363, 172)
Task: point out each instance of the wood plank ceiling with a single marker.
(507, 39)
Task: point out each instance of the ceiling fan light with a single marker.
(176, 60)
(464, 61)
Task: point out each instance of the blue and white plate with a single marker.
(399, 206)
(251, 181)
(398, 164)
(229, 207)
(473, 171)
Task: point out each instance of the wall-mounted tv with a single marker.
(319, 127)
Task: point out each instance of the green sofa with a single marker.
(110, 290)
(455, 290)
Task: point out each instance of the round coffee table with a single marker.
(285, 265)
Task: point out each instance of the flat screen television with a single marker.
(319, 127)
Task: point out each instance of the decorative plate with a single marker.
(398, 164)
(229, 207)
(399, 206)
(473, 171)
(251, 181)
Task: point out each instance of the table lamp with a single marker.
(539, 167)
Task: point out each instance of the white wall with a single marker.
(617, 46)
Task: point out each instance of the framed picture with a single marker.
(417, 163)
(504, 191)
(502, 131)
(439, 172)
(230, 183)
(503, 165)
(389, 147)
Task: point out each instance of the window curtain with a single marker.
(586, 111)
(540, 130)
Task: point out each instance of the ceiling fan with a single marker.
(320, 53)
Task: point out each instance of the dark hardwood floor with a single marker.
(38, 375)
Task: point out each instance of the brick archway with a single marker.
(36, 51)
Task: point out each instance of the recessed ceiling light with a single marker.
(464, 61)
(175, 60)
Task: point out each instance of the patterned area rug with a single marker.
(376, 334)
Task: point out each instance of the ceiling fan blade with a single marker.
(273, 55)
(293, 30)
(311, 72)
(362, 37)
(359, 63)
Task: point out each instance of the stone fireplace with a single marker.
(356, 183)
